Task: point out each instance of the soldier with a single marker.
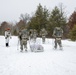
(31, 34)
(34, 35)
(7, 36)
(57, 34)
(23, 37)
(43, 34)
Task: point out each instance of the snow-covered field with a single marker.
(49, 62)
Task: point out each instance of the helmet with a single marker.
(7, 29)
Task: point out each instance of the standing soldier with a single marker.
(7, 36)
(34, 35)
(43, 34)
(57, 34)
(23, 37)
(31, 34)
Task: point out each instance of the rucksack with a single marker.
(24, 38)
(58, 32)
(24, 35)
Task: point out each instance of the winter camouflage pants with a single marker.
(43, 39)
(34, 38)
(23, 44)
(58, 41)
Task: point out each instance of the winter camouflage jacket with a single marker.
(58, 32)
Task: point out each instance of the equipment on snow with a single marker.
(36, 46)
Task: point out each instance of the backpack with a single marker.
(24, 38)
(24, 35)
(58, 32)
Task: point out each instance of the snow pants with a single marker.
(23, 45)
(7, 41)
(58, 41)
(43, 39)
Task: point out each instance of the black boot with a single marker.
(6, 44)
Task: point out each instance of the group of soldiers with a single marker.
(24, 35)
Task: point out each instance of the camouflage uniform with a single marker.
(57, 34)
(23, 36)
(33, 35)
(7, 37)
(43, 34)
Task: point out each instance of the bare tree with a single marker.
(25, 18)
(3, 26)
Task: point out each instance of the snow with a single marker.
(49, 62)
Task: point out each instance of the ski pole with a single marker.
(29, 43)
(18, 45)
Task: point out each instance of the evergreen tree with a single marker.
(72, 20)
(39, 19)
(15, 32)
(57, 19)
(72, 33)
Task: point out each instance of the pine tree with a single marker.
(72, 33)
(39, 19)
(15, 32)
(57, 19)
(72, 20)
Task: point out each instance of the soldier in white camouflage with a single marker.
(57, 34)
(23, 36)
(33, 34)
(43, 34)
(7, 36)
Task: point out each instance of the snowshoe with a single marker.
(25, 50)
(61, 48)
(21, 51)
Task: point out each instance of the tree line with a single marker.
(43, 18)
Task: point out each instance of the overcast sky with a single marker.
(10, 10)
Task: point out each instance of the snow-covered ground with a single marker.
(49, 62)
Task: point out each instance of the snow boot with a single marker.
(26, 50)
(7, 45)
(61, 48)
(21, 51)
